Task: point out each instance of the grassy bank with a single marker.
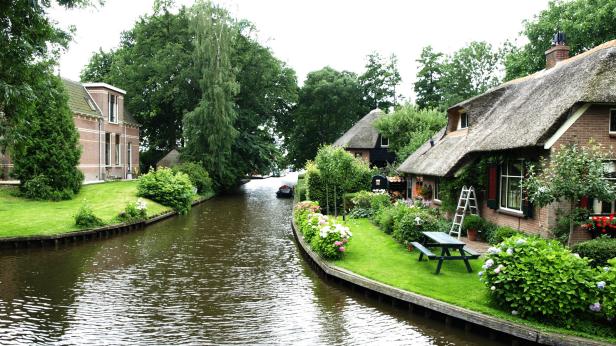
(21, 217)
(375, 255)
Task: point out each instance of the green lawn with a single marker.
(375, 255)
(22, 217)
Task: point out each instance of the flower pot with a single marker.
(472, 234)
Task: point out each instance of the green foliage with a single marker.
(208, 128)
(46, 149)
(331, 240)
(134, 211)
(587, 23)
(379, 201)
(171, 189)
(532, 277)
(501, 233)
(599, 250)
(303, 209)
(409, 127)
(197, 174)
(409, 224)
(446, 80)
(379, 81)
(335, 172)
(570, 174)
(85, 218)
(360, 213)
(330, 102)
(473, 222)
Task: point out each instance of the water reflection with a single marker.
(229, 272)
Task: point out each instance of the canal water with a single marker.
(227, 273)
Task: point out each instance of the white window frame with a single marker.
(108, 149)
(129, 157)
(502, 192)
(609, 121)
(598, 204)
(115, 109)
(118, 149)
(461, 114)
(384, 145)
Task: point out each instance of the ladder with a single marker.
(467, 202)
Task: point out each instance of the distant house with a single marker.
(108, 134)
(571, 100)
(171, 159)
(364, 141)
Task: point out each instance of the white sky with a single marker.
(309, 35)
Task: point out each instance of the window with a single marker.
(90, 103)
(107, 149)
(437, 190)
(384, 141)
(129, 157)
(113, 109)
(117, 150)
(606, 207)
(511, 185)
(613, 121)
(463, 121)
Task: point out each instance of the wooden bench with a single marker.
(424, 251)
(473, 254)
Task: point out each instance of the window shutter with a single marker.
(492, 199)
(527, 206)
(584, 202)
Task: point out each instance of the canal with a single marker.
(227, 273)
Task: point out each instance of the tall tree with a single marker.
(429, 94)
(587, 23)
(468, 72)
(330, 102)
(379, 81)
(30, 44)
(209, 128)
(46, 152)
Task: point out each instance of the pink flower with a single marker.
(338, 243)
(341, 249)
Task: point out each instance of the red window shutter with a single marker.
(492, 199)
(584, 202)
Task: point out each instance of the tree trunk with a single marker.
(571, 222)
(335, 202)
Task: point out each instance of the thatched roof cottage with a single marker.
(363, 140)
(571, 100)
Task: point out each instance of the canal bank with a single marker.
(432, 308)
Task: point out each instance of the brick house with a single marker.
(108, 134)
(572, 100)
(363, 140)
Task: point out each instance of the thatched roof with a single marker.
(521, 113)
(363, 135)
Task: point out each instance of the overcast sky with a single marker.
(309, 35)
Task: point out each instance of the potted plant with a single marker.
(426, 192)
(472, 224)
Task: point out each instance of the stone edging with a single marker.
(93, 233)
(469, 316)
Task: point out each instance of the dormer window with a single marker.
(463, 121)
(91, 104)
(613, 121)
(384, 142)
(113, 109)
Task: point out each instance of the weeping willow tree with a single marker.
(209, 128)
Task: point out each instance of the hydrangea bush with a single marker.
(533, 277)
(326, 237)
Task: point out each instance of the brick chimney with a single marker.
(558, 52)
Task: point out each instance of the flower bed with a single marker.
(326, 237)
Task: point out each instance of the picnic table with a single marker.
(448, 244)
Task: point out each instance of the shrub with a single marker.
(605, 283)
(473, 222)
(302, 209)
(310, 225)
(360, 213)
(599, 250)
(85, 218)
(414, 221)
(379, 201)
(169, 188)
(501, 233)
(331, 241)
(387, 217)
(134, 211)
(197, 174)
(540, 278)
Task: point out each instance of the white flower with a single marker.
(509, 251)
(543, 189)
(480, 274)
(418, 220)
(601, 285)
(577, 255)
(606, 269)
(494, 250)
(141, 205)
(514, 312)
(498, 269)
(489, 263)
(493, 288)
(520, 241)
